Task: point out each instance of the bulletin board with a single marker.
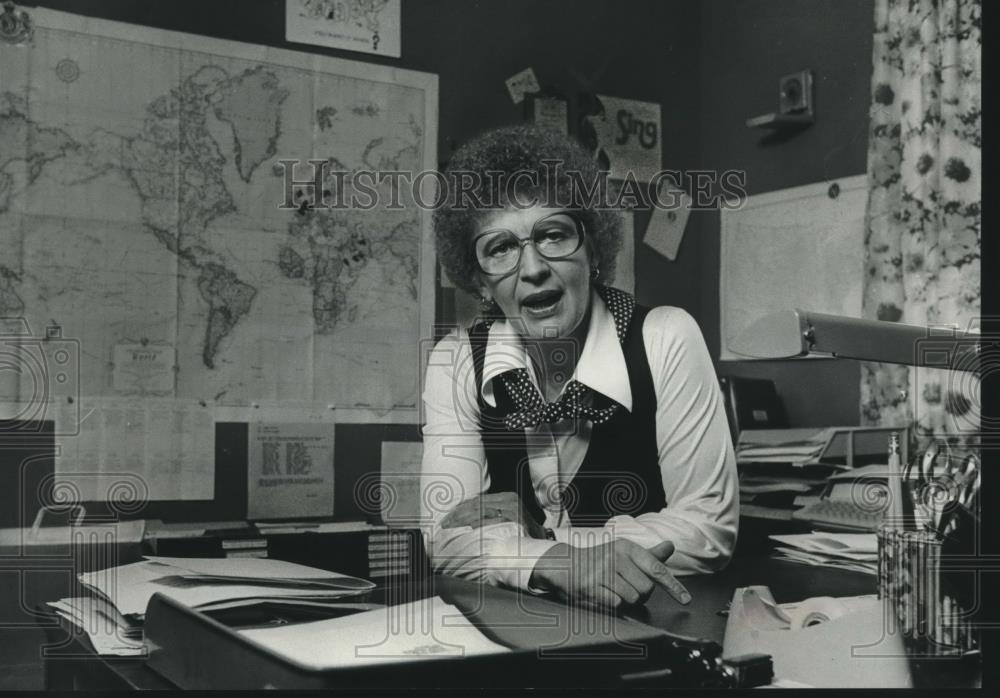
(798, 248)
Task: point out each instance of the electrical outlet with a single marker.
(795, 93)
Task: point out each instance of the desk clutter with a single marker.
(926, 528)
(240, 592)
(857, 552)
(191, 618)
(785, 473)
(259, 623)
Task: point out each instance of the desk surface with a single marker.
(711, 594)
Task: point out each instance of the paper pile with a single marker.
(779, 470)
(113, 615)
(796, 446)
(109, 631)
(849, 551)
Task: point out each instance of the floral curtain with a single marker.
(922, 240)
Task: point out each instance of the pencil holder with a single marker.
(919, 594)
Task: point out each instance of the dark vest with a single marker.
(620, 473)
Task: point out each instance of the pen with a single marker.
(933, 608)
(895, 483)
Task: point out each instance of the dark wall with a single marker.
(746, 45)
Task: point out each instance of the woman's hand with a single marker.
(608, 575)
(490, 509)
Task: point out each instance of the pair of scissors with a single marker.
(970, 480)
(966, 490)
(918, 476)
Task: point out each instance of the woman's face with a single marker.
(544, 298)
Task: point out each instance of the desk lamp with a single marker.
(793, 333)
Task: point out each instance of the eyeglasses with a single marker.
(556, 236)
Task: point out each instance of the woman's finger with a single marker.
(638, 579)
(659, 573)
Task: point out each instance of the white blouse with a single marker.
(695, 451)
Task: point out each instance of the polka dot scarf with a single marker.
(577, 399)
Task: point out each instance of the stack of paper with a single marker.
(850, 551)
(109, 631)
(113, 615)
(795, 446)
(779, 470)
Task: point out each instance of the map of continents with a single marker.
(140, 203)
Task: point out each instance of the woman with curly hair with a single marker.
(574, 441)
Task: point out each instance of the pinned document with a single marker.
(666, 227)
(290, 471)
(521, 84)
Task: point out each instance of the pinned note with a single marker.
(522, 83)
(666, 227)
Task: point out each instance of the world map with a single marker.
(141, 206)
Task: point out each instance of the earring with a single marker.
(486, 304)
(594, 273)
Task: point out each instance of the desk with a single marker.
(711, 593)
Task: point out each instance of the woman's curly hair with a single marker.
(503, 152)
